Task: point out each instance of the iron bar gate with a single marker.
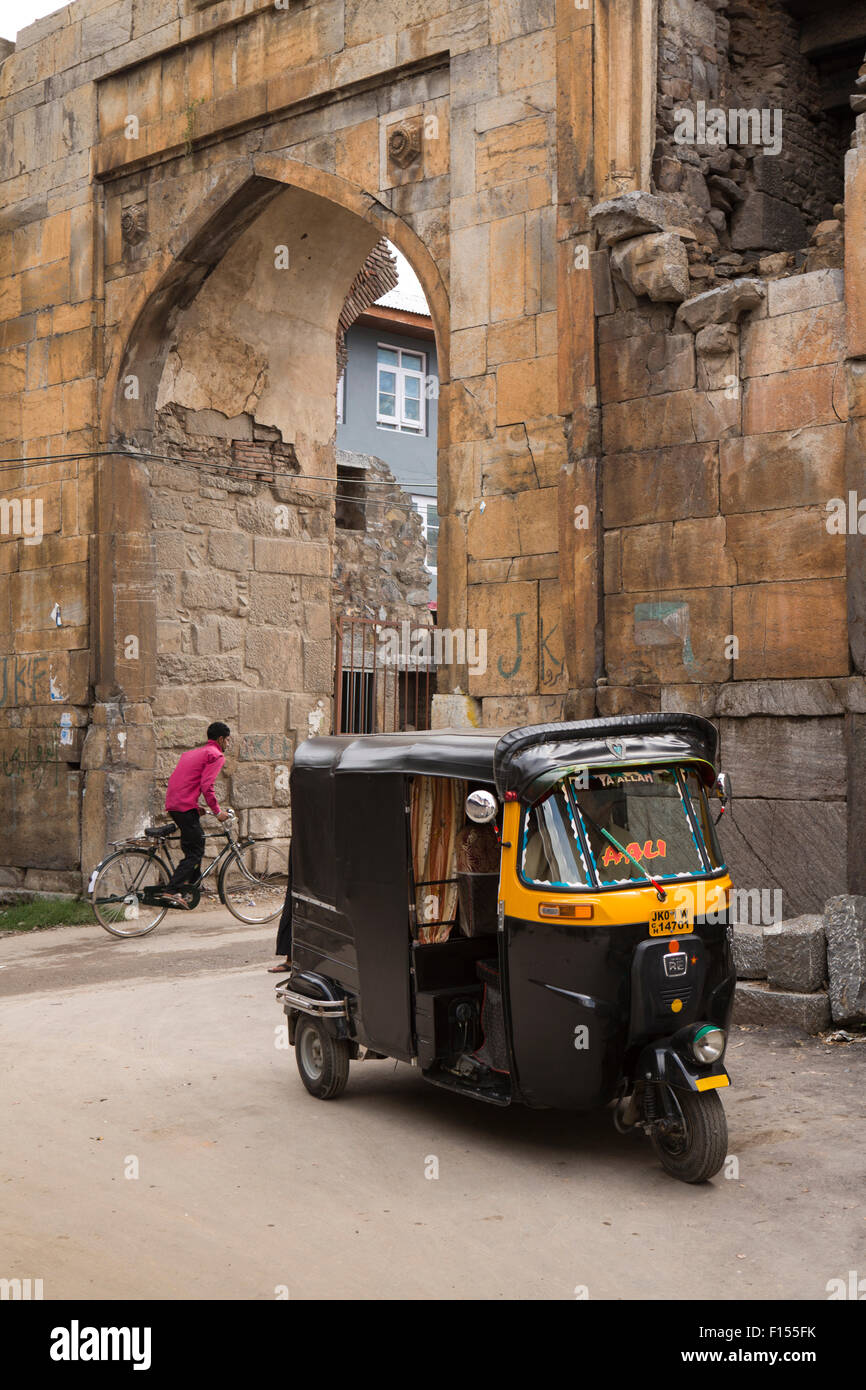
(378, 690)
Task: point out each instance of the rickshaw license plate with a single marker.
(670, 921)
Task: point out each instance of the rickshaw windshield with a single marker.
(658, 815)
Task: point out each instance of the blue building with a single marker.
(388, 397)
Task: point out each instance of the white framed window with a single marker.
(341, 399)
(400, 399)
(426, 508)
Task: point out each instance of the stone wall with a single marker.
(243, 606)
(725, 588)
(155, 165)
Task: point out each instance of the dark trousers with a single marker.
(192, 844)
(284, 931)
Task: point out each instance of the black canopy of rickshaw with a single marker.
(521, 761)
(528, 761)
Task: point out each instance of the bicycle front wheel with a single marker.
(117, 885)
(253, 883)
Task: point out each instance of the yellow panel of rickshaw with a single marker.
(613, 907)
(710, 1083)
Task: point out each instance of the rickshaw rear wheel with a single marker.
(696, 1153)
(323, 1060)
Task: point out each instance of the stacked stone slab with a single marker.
(804, 972)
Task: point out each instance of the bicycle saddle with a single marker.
(159, 831)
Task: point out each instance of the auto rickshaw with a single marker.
(538, 915)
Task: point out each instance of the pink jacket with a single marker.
(193, 777)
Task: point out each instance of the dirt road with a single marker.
(156, 1142)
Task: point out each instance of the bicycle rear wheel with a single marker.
(253, 883)
(115, 895)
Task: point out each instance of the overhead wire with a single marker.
(242, 473)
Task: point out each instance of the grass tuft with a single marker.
(45, 912)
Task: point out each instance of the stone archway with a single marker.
(219, 290)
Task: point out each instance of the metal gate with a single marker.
(384, 676)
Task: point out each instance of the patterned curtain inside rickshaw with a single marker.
(437, 815)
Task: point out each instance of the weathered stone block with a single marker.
(229, 550)
(763, 222)
(677, 555)
(791, 629)
(509, 614)
(804, 291)
(757, 1003)
(845, 925)
(492, 531)
(795, 952)
(679, 417)
(53, 881)
(251, 786)
(632, 215)
(470, 277)
(536, 520)
(676, 639)
(660, 485)
(526, 390)
(511, 152)
(769, 846)
(811, 462)
(786, 342)
(790, 544)
(747, 948)
(455, 712)
(628, 699)
(503, 711)
(291, 556)
(725, 304)
(511, 342)
(268, 824)
(783, 757)
(647, 364)
(799, 698)
(507, 268)
(277, 656)
(209, 590)
(654, 265)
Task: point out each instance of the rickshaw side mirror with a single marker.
(722, 788)
(481, 807)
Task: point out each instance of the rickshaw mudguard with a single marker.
(661, 1062)
(317, 987)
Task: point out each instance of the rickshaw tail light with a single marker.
(583, 910)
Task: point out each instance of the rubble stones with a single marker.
(845, 926)
(796, 954)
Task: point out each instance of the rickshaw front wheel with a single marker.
(696, 1151)
(323, 1060)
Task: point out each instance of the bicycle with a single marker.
(127, 889)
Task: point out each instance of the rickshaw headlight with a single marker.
(708, 1044)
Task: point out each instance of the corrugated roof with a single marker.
(408, 295)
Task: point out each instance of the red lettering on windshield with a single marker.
(613, 856)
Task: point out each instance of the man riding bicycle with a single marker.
(193, 777)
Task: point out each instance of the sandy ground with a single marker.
(161, 1056)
